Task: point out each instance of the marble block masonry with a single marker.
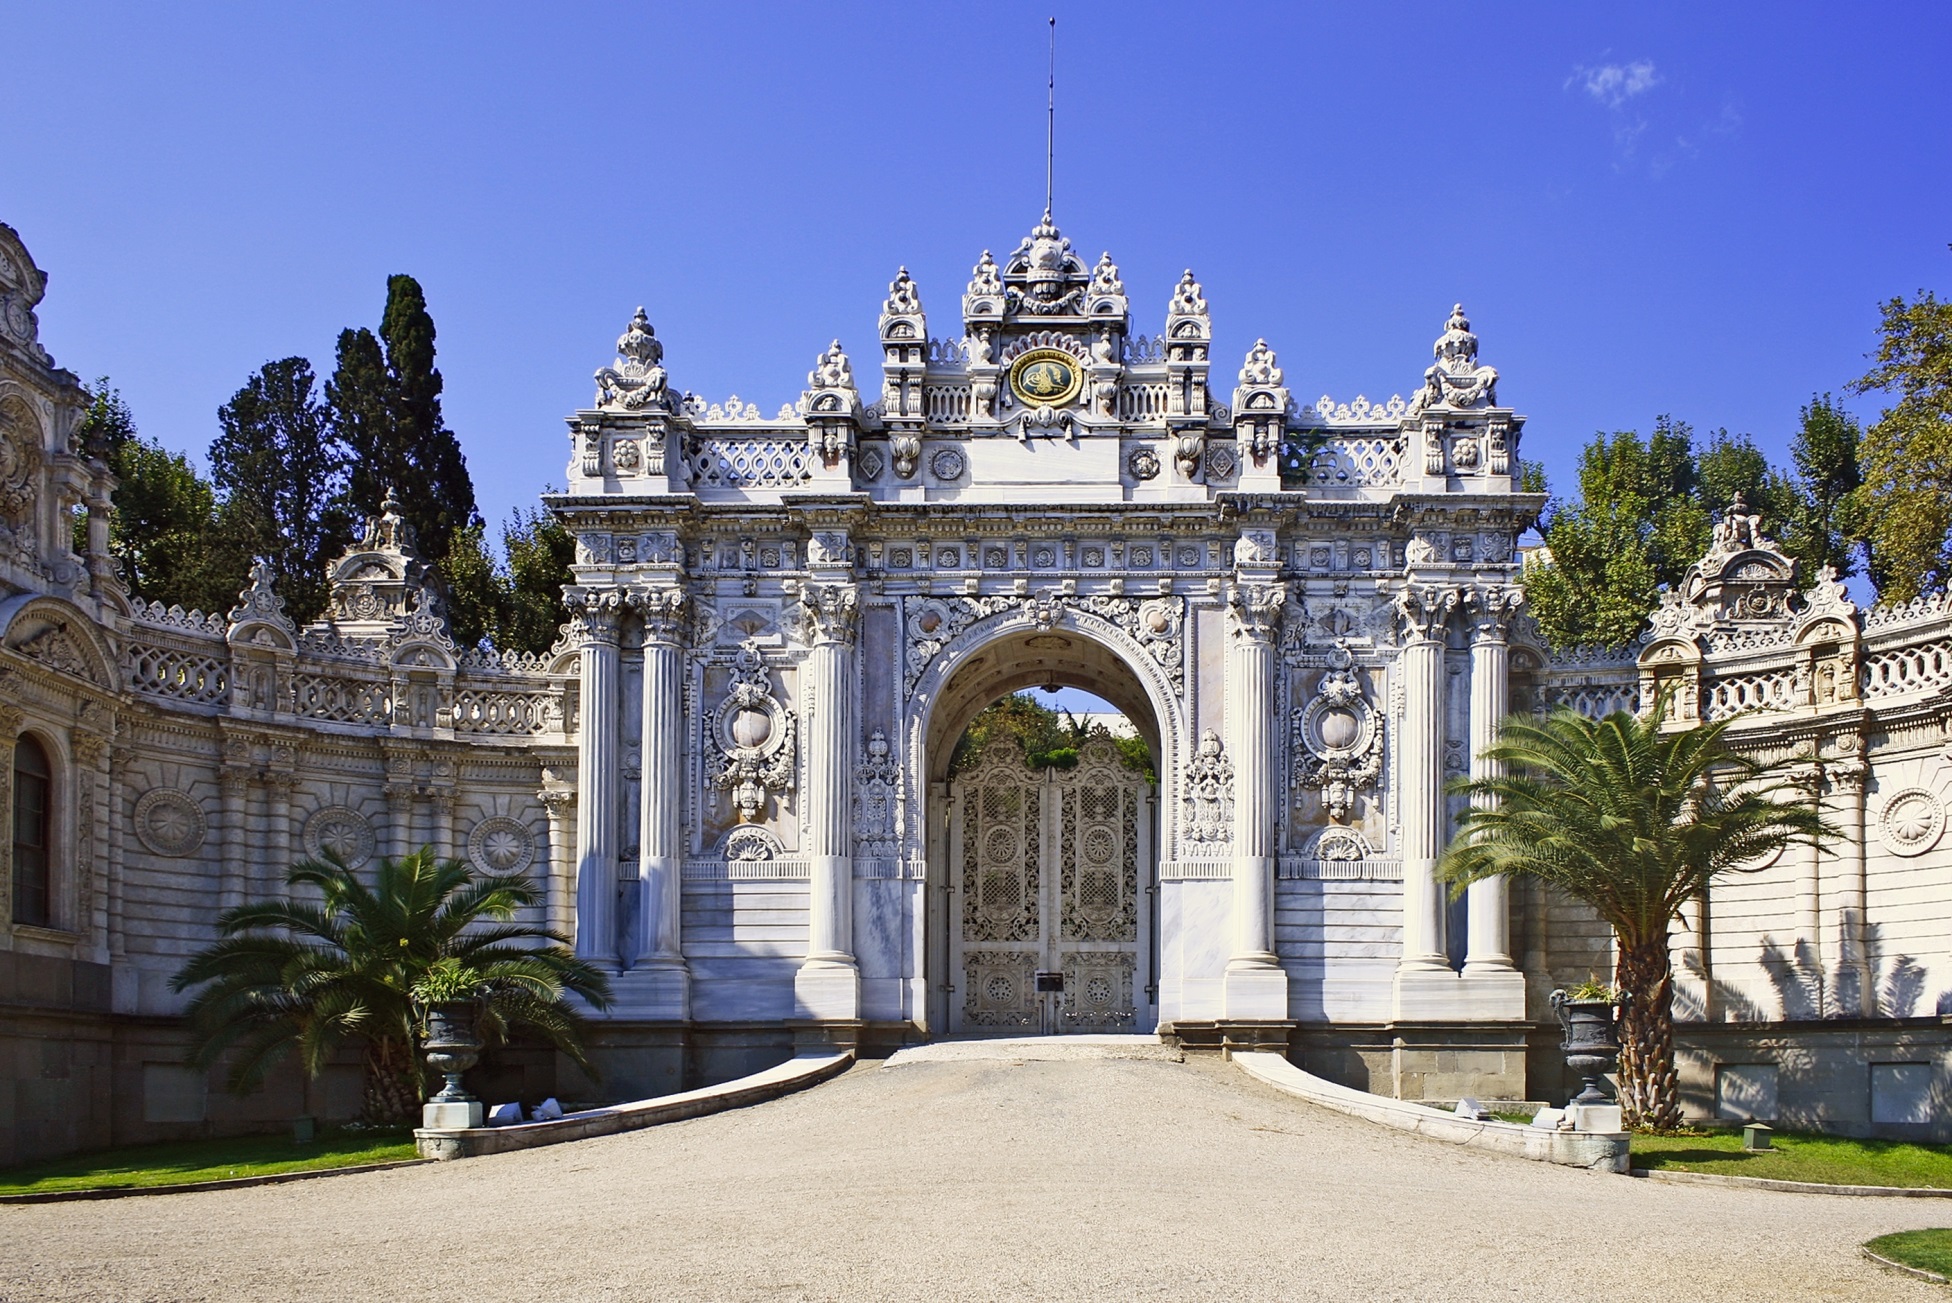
(732, 773)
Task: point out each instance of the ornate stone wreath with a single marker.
(501, 845)
(342, 830)
(170, 822)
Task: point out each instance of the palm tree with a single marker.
(290, 974)
(1635, 820)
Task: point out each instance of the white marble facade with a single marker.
(731, 773)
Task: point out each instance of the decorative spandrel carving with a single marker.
(752, 736)
(1456, 380)
(637, 382)
(1208, 794)
(20, 474)
(1155, 624)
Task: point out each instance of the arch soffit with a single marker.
(939, 710)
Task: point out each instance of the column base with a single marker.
(827, 990)
(1444, 995)
(1254, 990)
(654, 991)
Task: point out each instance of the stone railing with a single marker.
(184, 660)
(774, 460)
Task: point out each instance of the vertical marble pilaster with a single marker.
(1255, 987)
(400, 801)
(828, 985)
(278, 786)
(233, 788)
(596, 776)
(1426, 613)
(1856, 982)
(559, 804)
(660, 809)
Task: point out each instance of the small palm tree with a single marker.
(289, 974)
(1636, 821)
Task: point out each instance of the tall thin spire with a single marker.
(1050, 123)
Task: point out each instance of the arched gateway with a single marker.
(785, 623)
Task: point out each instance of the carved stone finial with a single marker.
(258, 600)
(904, 299)
(1104, 277)
(638, 379)
(1189, 300)
(1261, 367)
(1456, 380)
(986, 278)
(831, 370)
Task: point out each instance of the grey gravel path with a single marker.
(980, 1180)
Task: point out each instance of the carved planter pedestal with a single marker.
(1592, 1047)
(452, 1048)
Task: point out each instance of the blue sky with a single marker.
(1645, 208)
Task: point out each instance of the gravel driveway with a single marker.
(974, 1179)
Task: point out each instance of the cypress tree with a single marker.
(387, 408)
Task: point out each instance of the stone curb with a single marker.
(1883, 1261)
(445, 1143)
(1596, 1151)
(1793, 1187)
(191, 1187)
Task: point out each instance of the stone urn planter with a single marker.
(1592, 1044)
(452, 1046)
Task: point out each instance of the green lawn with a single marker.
(1928, 1250)
(1801, 1156)
(206, 1160)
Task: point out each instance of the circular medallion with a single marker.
(1098, 992)
(343, 832)
(1911, 822)
(501, 845)
(1046, 377)
(1100, 846)
(1000, 847)
(999, 989)
(947, 464)
(169, 822)
(1144, 464)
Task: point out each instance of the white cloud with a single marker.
(1613, 84)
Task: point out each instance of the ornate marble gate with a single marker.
(1049, 873)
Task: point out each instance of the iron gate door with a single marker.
(1048, 872)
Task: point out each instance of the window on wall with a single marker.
(33, 821)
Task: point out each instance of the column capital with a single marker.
(597, 611)
(830, 612)
(1426, 610)
(557, 802)
(1491, 610)
(666, 612)
(1254, 611)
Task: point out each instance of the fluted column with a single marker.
(1255, 985)
(1487, 905)
(1420, 775)
(828, 985)
(596, 777)
(278, 786)
(400, 801)
(660, 809)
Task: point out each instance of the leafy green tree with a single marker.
(163, 530)
(1636, 820)
(540, 552)
(279, 470)
(477, 589)
(1828, 528)
(1637, 525)
(291, 975)
(385, 395)
(1905, 500)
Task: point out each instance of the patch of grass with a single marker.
(1926, 1250)
(1801, 1156)
(1521, 1116)
(206, 1160)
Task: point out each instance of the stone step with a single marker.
(1026, 1049)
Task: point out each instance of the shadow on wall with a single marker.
(1808, 991)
